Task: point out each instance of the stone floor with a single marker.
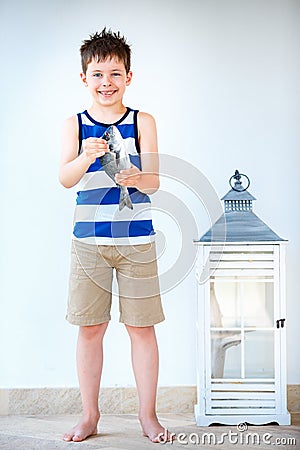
(122, 432)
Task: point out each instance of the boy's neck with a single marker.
(107, 114)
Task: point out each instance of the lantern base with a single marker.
(206, 420)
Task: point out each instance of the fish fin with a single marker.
(125, 199)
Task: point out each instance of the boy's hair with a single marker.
(105, 44)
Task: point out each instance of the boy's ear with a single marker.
(128, 78)
(83, 78)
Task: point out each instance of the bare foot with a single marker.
(153, 430)
(85, 428)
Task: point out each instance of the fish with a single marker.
(115, 160)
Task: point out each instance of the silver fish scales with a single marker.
(116, 160)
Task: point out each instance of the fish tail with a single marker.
(125, 199)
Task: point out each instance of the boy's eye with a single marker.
(97, 74)
(116, 74)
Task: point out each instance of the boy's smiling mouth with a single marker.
(107, 93)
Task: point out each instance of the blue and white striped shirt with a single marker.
(97, 219)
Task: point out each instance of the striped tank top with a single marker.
(97, 219)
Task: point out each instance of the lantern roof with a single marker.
(238, 223)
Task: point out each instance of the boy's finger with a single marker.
(96, 140)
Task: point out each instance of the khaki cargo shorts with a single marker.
(91, 284)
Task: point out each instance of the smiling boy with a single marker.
(105, 240)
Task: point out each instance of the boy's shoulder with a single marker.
(145, 119)
(70, 125)
(147, 132)
(72, 120)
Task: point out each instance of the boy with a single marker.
(105, 238)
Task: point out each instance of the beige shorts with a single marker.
(91, 284)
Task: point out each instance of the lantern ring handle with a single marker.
(237, 177)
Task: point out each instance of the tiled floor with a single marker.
(123, 432)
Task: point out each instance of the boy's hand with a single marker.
(94, 148)
(129, 177)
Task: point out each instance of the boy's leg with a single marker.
(89, 367)
(144, 353)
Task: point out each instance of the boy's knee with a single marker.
(92, 331)
(140, 331)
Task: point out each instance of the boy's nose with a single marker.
(106, 81)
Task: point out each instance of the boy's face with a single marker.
(107, 81)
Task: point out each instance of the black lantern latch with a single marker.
(280, 323)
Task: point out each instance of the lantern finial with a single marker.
(238, 184)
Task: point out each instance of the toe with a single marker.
(67, 437)
(77, 438)
(163, 437)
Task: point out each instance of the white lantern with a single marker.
(241, 351)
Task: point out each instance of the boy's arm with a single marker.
(72, 166)
(146, 180)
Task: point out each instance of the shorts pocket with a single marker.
(83, 260)
(143, 261)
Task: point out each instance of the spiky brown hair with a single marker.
(105, 44)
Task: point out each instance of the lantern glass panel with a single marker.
(242, 303)
(259, 354)
(225, 354)
(258, 304)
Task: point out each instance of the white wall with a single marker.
(222, 80)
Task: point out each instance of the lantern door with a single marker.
(242, 351)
